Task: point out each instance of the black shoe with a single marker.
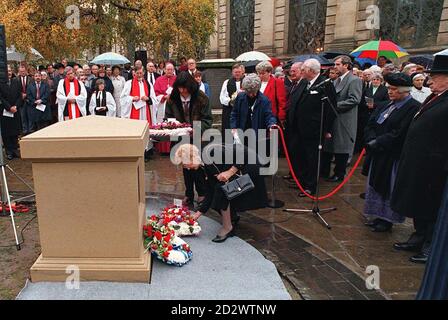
(219, 239)
(303, 195)
(382, 226)
(362, 196)
(372, 223)
(9, 157)
(335, 179)
(406, 246)
(420, 258)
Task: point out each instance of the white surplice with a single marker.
(81, 99)
(110, 103)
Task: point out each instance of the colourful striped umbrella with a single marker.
(377, 48)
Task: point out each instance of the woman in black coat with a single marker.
(385, 134)
(218, 171)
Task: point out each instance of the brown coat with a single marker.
(200, 111)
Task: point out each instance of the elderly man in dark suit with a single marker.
(11, 98)
(341, 143)
(151, 75)
(421, 174)
(304, 119)
(23, 81)
(38, 95)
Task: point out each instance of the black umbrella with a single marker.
(250, 65)
(323, 61)
(330, 55)
(425, 60)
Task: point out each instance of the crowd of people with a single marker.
(398, 114)
(33, 98)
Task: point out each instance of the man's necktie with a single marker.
(186, 105)
(337, 83)
(23, 84)
(37, 91)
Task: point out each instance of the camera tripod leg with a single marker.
(8, 198)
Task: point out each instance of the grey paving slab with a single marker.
(233, 270)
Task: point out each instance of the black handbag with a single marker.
(237, 187)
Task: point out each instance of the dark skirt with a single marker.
(379, 207)
(435, 280)
(252, 200)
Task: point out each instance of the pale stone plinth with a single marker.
(89, 182)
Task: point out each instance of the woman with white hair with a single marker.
(273, 89)
(252, 109)
(420, 92)
(385, 135)
(219, 173)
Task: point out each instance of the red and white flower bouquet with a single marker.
(181, 221)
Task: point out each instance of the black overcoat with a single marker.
(390, 137)
(12, 93)
(421, 176)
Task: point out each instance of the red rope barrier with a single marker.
(332, 193)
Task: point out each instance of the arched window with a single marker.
(242, 21)
(410, 23)
(307, 20)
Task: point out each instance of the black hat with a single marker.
(440, 65)
(398, 79)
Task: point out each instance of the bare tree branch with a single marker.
(125, 7)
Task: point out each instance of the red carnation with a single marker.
(166, 254)
(154, 218)
(158, 235)
(167, 238)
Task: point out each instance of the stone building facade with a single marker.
(284, 28)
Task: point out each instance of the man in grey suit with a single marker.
(341, 142)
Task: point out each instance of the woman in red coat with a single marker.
(274, 89)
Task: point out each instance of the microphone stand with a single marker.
(316, 210)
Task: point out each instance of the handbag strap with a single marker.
(239, 175)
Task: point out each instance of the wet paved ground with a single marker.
(315, 263)
(318, 263)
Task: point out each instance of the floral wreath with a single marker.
(162, 235)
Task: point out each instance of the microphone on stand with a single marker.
(322, 83)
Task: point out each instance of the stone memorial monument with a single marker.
(90, 196)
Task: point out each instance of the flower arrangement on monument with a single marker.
(170, 128)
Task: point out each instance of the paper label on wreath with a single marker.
(41, 107)
(178, 203)
(8, 114)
